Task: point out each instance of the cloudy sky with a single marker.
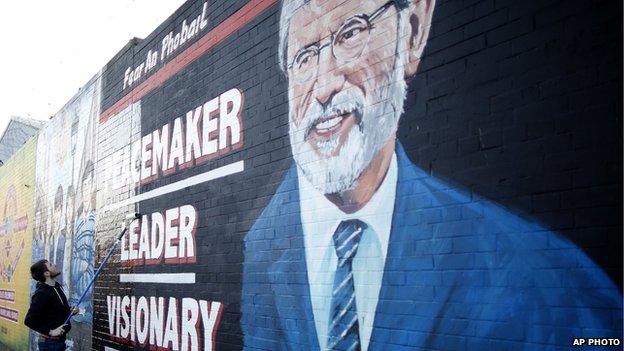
(49, 49)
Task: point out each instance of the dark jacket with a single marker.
(48, 309)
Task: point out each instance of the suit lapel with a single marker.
(399, 306)
(289, 273)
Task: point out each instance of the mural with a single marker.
(288, 202)
(334, 175)
(65, 202)
(377, 244)
(17, 179)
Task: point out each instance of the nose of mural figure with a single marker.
(329, 79)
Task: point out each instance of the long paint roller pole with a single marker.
(132, 217)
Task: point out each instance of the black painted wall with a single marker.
(519, 102)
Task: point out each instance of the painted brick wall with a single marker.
(64, 204)
(488, 201)
(17, 185)
(513, 114)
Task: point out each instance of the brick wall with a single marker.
(17, 184)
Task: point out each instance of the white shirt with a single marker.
(320, 218)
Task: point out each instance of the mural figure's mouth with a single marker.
(336, 120)
(326, 126)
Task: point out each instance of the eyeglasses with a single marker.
(347, 44)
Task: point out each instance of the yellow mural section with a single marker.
(17, 178)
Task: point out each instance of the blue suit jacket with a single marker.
(461, 274)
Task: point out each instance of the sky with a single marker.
(49, 49)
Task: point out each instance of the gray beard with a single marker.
(377, 118)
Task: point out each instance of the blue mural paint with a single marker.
(82, 263)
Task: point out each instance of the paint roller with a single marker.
(130, 217)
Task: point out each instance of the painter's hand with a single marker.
(58, 331)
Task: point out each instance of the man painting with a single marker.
(48, 308)
(361, 249)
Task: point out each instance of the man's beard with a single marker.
(377, 117)
(54, 275)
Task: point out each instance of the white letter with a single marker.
(146, 156)
(160, 149)
(208, 126)
(142, 317)
(111, 305)
(171, 232)
(132, 317)
(171, 327)
(165, 46)
(184, 32)
(229, 119)
(127, 78)
(187, 229)
(192, 135)
(204, 22)
(144, 250)
(125, 329)
(156, 321)
(193, 27)
(158, 239)
(189, 320)
(177, 146)
(210, 321)
(118, 317)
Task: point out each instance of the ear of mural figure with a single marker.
(417, 28)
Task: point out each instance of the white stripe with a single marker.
(344, 232)
(161, 278)
(342, 313)
(355, 233)
(355, 344)
(344, 333)
(348, 255)
(341, 285)
(216, 173)
(106, 348)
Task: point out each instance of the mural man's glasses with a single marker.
(347, 44)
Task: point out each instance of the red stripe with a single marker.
(233, 23)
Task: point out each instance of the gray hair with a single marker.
(289, 7)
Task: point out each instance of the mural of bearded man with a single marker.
(359, 248)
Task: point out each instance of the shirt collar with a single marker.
(320, 217)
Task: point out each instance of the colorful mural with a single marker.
(17, 180)
(65, 203)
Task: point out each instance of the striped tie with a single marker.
(343, 331)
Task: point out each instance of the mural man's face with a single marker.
(346, 88)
